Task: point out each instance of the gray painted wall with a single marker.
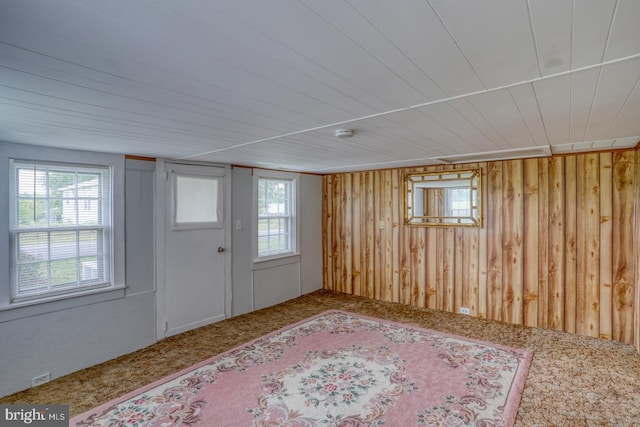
(311, 233)
(68, 339)
(241, 257)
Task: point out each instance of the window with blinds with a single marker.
(276, 217)
(60, 229)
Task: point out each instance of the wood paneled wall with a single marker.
(558, 248)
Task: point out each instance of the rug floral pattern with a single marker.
(326, 388)
(335, 370)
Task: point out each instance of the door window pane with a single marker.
(196, 200)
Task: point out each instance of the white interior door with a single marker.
(192, 285)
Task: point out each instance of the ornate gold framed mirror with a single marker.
(451, 198)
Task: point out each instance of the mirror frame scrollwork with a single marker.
(446, 198)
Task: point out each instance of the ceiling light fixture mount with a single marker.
(344, 133)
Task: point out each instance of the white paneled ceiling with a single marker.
(267, 83)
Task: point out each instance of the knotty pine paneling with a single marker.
(624, 237)
(557, 250)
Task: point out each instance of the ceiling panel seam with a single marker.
(399, 50)
(544, 125)
(533, 139)
(613, 20)
(382, 63)
(316, 63)
(624, 104)
(466, 58)
(604, 51)
(425, 104)
(533, 35)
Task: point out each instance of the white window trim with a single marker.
(9, 311)
(271, 174)
(106, 207)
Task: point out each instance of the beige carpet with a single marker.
(573, 380)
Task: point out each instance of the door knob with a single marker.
(220, 249)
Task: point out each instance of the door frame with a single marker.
(161, 188)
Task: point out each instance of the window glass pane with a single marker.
(64, 272)
(31, 182)
(89, 243)
(32, 213)
(263, 244)
(33, 247)
(273, 197)
(62, 213)
(90, 268)
(63, 244)
(196, 199)
(274, 226)
(275, 216)
(32, 254)
(59, 255)
(275, 244)
(88, 185)
(262, 197)
(62, 184)
(88, 211)
(31, 194)
(33, 277)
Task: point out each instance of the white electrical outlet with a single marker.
(464, 310)
(41, 379)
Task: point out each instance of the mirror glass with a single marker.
(443, 198)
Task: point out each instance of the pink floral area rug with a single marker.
(336, 369)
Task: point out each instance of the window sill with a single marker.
(58, 303)
(276, 261)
